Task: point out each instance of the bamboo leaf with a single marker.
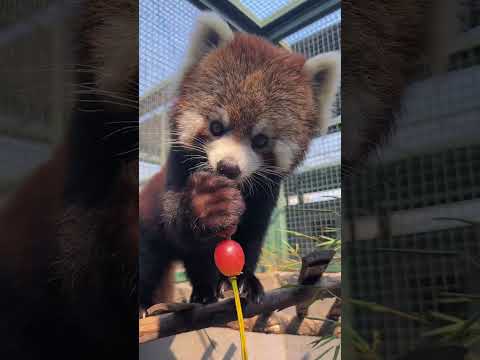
(295, 233)
(419, 251)
(322, 341)
(380, 308)
(445, 317)
(324, 353)
(337, 352)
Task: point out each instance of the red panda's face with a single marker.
(248, 107)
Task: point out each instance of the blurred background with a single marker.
(35, 91)
(411, 215)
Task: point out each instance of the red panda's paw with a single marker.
(250, 288)
(216, 202)
(202, 296)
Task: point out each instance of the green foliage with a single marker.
(324, 341)
(290, 259)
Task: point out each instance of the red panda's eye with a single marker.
(217, 128)
(260, 141)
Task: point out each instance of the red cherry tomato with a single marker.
(229, 258)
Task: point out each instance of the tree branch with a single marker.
(195, 317)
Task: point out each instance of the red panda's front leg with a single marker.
(216, 204)
(194, 219)
(249, 286)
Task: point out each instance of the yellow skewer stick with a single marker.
(241, 324)
(230, 259)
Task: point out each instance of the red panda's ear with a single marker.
(211, 32)
(324, 71)
(108, 45)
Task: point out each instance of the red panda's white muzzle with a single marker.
(233, 158)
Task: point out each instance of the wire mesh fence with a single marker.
(36, 92)
(410, 279)
(430, 166)
(314, 191)
(165, 27)
(316, 183)
(264, 10)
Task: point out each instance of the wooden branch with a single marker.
(196, 317)
(287, 323)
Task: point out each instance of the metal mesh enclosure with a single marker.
(410, 282)
(265, 9)
(322, 36)
(417, 182)
(409, 243)
(313, 191)
(36, 91)
(164, 31)
(165, 27)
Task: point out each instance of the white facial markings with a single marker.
(241, 153)
(221, 115)
(285, 152)
(210, 33)
(325, 72)
(189, 124)
(262, 127)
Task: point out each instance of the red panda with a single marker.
(69, 243)
(243, 118)
(382, 45)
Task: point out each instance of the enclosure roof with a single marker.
(264, 12)
(273, 19)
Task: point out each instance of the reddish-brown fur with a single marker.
(150, 196)
(216, 202)
(149, 205)
(252, 82)
(28, 224)
(68, 264)
(382, 44)
(252, 79)
(56, 262)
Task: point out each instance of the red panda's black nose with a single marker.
(228, 169)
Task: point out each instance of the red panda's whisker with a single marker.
(247, 185)
(122, 122)
(110, 94)
(190, 159)
(124, 129)
(108, 102)
(179, 145)
(273, 167)
(201, 166)
(273, 172)
(259, 182)
(128, 151)
(88, 110)
(264, 180)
